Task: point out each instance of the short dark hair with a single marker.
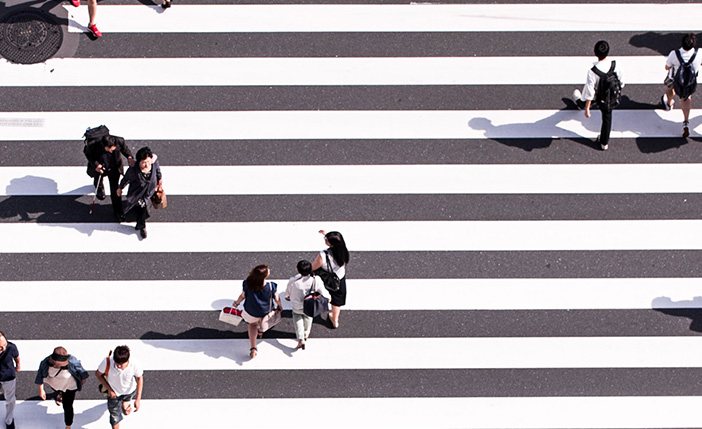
(304, 267)
(121, 354)
(108, 141)
(601, 49)
(143, 153)
(689, 41)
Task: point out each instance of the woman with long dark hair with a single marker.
(257, 295)
(338, 258)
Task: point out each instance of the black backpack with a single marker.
(94, 135)
(609, 91)
(685, 80)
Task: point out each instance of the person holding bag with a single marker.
(65, 375)
(302, 287)
(144, 180)
(334, 260)
(258, 296)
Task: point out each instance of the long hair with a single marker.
(256, 279)
(338, 248)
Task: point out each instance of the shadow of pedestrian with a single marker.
(658, 42)
(692, 309)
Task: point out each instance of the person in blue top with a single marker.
(258, 296)
(65, 375)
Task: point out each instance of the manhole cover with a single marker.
(29, 36)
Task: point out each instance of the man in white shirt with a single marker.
(687, 52)
(123, 380)
(584, 99)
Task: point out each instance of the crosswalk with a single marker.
(504, 273)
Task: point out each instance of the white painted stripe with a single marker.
(344, 124)
(353, 353)
(389, 18)
(380, 179)
(320, 71)
(360, 236)
(368, 294)
(469, 413)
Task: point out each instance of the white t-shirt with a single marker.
(299, 287)
(593, 79)
(673, 62)
(122, 381)
(60, 379)
(339, 271)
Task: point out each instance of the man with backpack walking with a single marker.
(683, 65)
(103, 152)
(604, 85)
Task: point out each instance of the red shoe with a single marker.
(94, 30)
(76, 3)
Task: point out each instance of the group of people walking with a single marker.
(604, 84)
(258, 294)
(121, 381)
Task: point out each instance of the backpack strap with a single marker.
(680, 58)
(600, 73)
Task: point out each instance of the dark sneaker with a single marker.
(142, 232)
(11, 425)
(686, 130)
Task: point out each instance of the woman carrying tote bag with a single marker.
(299, 287)
(258, 296)
(338, 258)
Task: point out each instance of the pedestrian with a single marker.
(144, 180)
(123, 380)
(338, 258)
(65, 375)
(9, 367)
(298, 288)
(105, 159)
(92, 11)
(257, 295)
(683, 65)
(604, 83)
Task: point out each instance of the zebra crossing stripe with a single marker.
(390, 18)
(369, 294)
(532, 235)
(380, 179)
(320, 71)
(342, 124)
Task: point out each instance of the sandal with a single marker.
(253, 351)
(59, 398)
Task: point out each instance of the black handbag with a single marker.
(315, 303)
(330, 279)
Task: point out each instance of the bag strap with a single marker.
(680, 58)
(326, 253)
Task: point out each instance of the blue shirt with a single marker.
(7, 362)
(258, 304)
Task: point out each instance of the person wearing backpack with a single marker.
(604, 85)
(683, 65)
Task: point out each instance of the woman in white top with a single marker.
(298, 288)
(338, 258)
(65, 375)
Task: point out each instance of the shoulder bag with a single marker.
(315, 303)
(330, 279)
(159, 200)
(101, 388)
(230, 315)
(273, 317)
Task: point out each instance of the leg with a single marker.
(113, 176)
(298, 322)
(10, 399)
(606, 128)
(114, 408)
(142, 214)
(669, 98)
(307, 324)
(92, 11)
(253, 334)
(686, 105)
(68, 397)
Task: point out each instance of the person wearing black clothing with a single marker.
(9, 367)
(104, 160)
(144, 179)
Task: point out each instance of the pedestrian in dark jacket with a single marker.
(65, 375)
(144, 179)
(104, 159)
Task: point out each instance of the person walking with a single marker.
(105, 159)
(604, 83)
(123, 379)
(144, 179)
(338, 256)
(683, 65)
(9, 367)
(298, 288)
(257, 295)
(65, 375)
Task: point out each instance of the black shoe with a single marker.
(120, 217)
(101, 192)
(142, 232)
(11, 425)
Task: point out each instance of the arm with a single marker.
(277, 300)
(238, 300)
(317, 262)
(140, 386)
(587, 108)
(101, 378)
(17, 363)
(124, 149)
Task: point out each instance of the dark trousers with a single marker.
(68, 397)
(606, 126)
(142, 213)
(113, 176)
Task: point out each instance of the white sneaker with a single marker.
(666, 105)
(576, 95)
